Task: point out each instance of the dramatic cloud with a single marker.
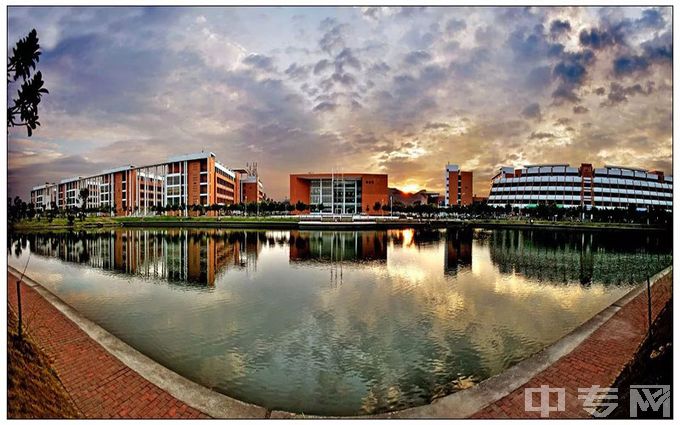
(558, 27)
(400, 90)
(532, 111)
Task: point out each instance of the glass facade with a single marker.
(610, 187)
(340, 196)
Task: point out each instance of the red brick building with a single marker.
(458, 186)
(345, 193)
(182, 181)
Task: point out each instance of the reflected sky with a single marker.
(338, 322)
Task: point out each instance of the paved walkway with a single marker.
(596, 361)
(99, 384)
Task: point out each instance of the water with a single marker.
(339, 323)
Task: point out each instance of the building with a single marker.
(565, 186)
(251, 187)
(345, 193)
(182, 181)
(421, 197)
(477, 199)
(458, 186)
(44, 196)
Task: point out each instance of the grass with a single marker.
(33, 387)
(652, 365)
(592, 224)
(88, 222)
(56, 223)
(205, 218)
(95, 222)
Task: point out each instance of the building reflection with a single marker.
(458, 252)
(336, 246)
(415, 237)
(578, 256)
(179, 256)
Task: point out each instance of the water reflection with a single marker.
(458, 250)
(406, 315)
(197, 256)
(193, 257)
(328, 247)
(581, 257)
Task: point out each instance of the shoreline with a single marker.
(293, 224)
(499, 395)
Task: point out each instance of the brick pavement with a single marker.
(99, 384)
(103, 387)
(596, 361)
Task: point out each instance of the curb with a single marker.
(461, 404)
(195, 395)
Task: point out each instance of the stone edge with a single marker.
(195, 395)
(461, 404)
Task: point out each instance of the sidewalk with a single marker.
(99, 384)
(598, 360)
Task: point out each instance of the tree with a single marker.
(83, 195)
(300, 206)
(376, 206)
(25, 56)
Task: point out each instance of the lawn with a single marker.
(33, 387)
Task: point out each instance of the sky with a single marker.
(402, 91)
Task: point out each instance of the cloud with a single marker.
(596, 39)
(436, 126)
(532, 111)
(619, 93)
(541, 135)
(417, 57)
(454, 25)
(262, 62)
(297, 72)
(559, 27)
(571, 71)
(326, 107)
(333, 38)
(387, 89)
(627, 65)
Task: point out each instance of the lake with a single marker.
(338, 322)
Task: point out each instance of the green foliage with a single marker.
(301, 206)
(83, 195)
(24, 58)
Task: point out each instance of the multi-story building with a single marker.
(562, 185)
(182, 181)
(344, 193)
(44, 196)
(250, 185)
(458, 186)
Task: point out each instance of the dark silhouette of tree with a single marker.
(25, 56)
(300, 206)
(83, 195)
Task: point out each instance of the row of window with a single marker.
(629, 174)
(577, 179)
(569, 199)
(575, 189)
